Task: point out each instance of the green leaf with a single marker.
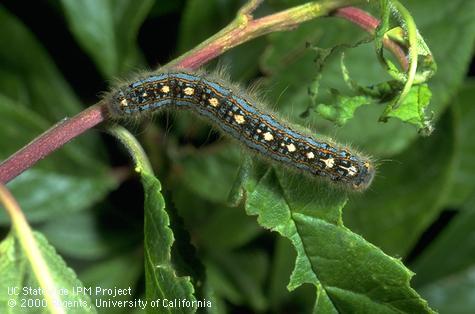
(413, 106)
(401, 203)
(16, 271)
(463, 183)
(449, 31)
(342, 109)
(411, 32)
(348, 273)
(293, 70)
(109, 36)
(161, 278)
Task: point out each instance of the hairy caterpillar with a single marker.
(236, 115)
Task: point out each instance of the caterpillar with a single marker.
(235, 114)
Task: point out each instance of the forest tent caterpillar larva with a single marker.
(236, 115)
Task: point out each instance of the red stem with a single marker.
(369, 23)
(359, 17)
(259, 27)
(50, 140)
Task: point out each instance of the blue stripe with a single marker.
(150, 79)
(220, 89)
(185, 76)
(245, 105)
(155, 78)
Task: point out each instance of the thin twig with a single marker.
(50, 140)
(245, 27)
(250, 7)
(369, 23)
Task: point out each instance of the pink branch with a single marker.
(245, 28)
(281, 21)
(369, 23)
(359, 17)
(51, 140)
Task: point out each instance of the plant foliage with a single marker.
(211, 223)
